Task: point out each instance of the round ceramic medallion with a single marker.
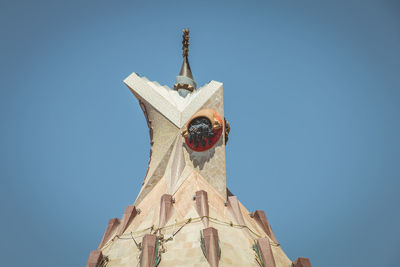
(203, 130)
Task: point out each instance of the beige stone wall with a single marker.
(184, 249)
(176, 170)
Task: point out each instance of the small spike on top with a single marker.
(185, 42)
(185, 79)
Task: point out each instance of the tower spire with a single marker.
(185, 82)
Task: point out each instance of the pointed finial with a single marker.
(185, 42)
(185, 82)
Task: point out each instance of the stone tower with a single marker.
(184, 214)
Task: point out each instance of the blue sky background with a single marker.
(311, 93)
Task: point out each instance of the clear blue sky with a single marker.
(311, 93)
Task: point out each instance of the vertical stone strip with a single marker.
(261, 219)
(234, 205)
(148, 250)
(202, 206)
(266, 252)
(210, 236)
(165, 209)
(95, 258)
(111, 227)
(178, 164)
(302, 262)
(129, 214)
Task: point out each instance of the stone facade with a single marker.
(184, 215)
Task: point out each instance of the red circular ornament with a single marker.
(203, 130)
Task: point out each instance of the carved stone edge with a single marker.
(262, 220)
(148, 253)
(266, 252)
(235, 207)
(211, 244)
(202, 206)
(111, 227)
(302, 262)
(146, 115)
(95, 258)
(165, 209)
(129, 214)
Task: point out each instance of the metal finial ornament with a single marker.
(185, 82)
(185, 42)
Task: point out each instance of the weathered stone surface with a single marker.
(176, 172)
(129, 215)
(95, 258)
(184, 249)
(168, 102)
(234, 206)
(302, 262)
(178, 164)
(163, 135)
(212, 167)
(165, 209)
(110, 231)
(202, 206)
(148, 250)
(155, 177)
(266, 253)
(261, 219)
(211, 245)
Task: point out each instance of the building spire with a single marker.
(185, 82)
